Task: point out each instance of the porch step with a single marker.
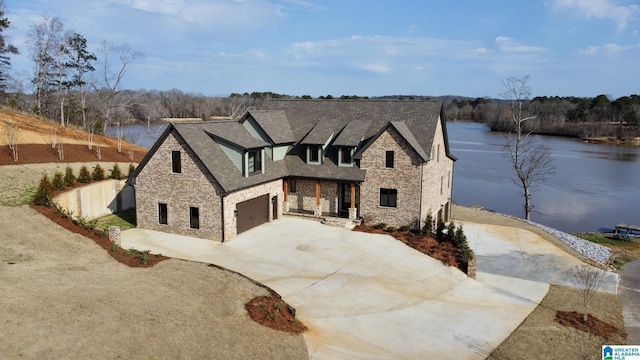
(340, 222)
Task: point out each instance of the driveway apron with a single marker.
(370, 296)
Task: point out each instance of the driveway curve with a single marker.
(365, 295)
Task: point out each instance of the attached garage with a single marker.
(252, 213)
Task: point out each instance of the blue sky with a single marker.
(357, 47)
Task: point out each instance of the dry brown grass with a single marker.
(541, 337)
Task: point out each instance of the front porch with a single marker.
(320, 199)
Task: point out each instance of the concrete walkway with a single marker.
(370, 296)
(630, 300)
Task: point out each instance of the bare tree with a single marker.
(11, 138)
(532, 162)
(44, 39)
(112, 73)
(589, 280)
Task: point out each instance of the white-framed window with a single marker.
(314, 154)
(345, 156)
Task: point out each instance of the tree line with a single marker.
(579, 117)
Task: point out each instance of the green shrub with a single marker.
(440, 227)
(132, 168)
(405, 228)
(84, 176)
(69, 177)
(98, 173)
(380, 226)
(115, 172)
(427, 228)
(58, 181)
(459, 238)
(390, 229)
(451, 230)
(44, 194)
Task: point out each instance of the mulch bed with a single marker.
(593, 325)
(272, 312)
(44, 153)
(444, 251)
(129, 258)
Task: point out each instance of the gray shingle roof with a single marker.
(310, 122)
(275, 124)
(353, 133)
(420, 117)
(216, 161)
(322, 131)
(232, 132)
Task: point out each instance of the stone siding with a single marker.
(194, 187)
(437, 180)
(273, 188)
(304, 199)
(404, 177)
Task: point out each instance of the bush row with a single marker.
(60, 181)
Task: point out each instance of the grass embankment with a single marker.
(125, 220)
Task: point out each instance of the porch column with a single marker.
(353, 212)
(318, 210)
(285, 202)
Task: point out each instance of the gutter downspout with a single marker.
(421, 195)
(222, 208)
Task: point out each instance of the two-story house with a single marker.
(382, 161)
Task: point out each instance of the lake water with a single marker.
(594, 187)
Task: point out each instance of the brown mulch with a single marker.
(121, 255)
(593, 325)
(44, 153)
(446, 252)
(272, 312)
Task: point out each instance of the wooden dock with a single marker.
(624, 231)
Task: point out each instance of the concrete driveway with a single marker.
(370, 296)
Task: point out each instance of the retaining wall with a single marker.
(97, 199)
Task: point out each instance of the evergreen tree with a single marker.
(5, 49)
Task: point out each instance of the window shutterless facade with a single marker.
(176, 164)
(313, 154)
(388, 197)
(163, 215)
(194, 217)
(389, 158)
(255, 162)
(345, 156)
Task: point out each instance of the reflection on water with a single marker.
(594, 187)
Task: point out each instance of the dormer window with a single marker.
(314, 154)
(345, 156)
(254, 162)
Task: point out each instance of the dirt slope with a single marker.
(42, 141)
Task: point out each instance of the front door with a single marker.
(345, 198)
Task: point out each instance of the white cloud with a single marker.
(212, 13)
(508, 45)
(603, 9)
(606, 49)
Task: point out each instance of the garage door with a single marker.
(252, 213)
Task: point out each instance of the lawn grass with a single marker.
(125, 219)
